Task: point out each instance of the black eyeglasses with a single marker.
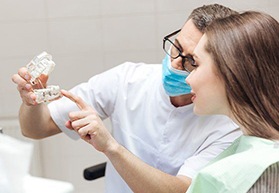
(188, 62)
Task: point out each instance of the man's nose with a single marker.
(177, 63)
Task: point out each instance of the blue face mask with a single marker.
(174, 80)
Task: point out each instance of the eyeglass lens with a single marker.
(174, 52)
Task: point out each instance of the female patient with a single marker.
(237, 74)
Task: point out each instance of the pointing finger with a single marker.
(79, 102)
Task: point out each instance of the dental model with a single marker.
(47, 94)
(43, 64)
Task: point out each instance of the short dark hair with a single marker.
(204, 15)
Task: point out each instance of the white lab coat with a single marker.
(144, 121)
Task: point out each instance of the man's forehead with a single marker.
(189, 37)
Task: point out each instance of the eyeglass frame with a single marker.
(184, 58)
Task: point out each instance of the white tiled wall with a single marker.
(86, 37)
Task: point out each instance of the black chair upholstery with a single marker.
(95, 172)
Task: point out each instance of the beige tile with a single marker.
(126, 7)
(14, 10)
(129, 33)
(75, 36)
(73, 8)
(21, 39)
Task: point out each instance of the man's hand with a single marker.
(88, 124)
(24, 87)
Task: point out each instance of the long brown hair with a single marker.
(245, 49)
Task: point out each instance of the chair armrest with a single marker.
(95, 172)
